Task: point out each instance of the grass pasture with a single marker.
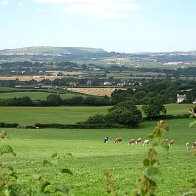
(61, 115)
(91, 156)
(66, 115)
(35, 95)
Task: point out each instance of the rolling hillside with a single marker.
(98, 56)
(41, 50)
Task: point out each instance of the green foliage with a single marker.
(6, 149)
(8, 125)
(154, 108)
(151, 174)
(111, 187)
(52, 187)
(192, 115)
(7, 174)
(96, 119)
(54, 99)
(125, 113)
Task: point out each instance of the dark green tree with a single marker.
(54, 99)
(154, 108)
(125, 113)
(96, 119)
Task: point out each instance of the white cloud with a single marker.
(4, 2)
(101, 9)
(19, 6)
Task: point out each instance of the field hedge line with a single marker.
(84, 125)
(8, 125)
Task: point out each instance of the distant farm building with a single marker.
(181, 98)
(107, 83)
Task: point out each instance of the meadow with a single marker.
(91, 156)
(66, 115)
(62, 115)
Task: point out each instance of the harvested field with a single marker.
(95, 91)
(28, 78)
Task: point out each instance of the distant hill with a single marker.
(98, 56)
(48, 50)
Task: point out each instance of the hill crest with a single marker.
(52, 50)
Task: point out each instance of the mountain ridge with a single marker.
(52, 50)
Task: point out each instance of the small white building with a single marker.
(194, 102)
(181, 98)
(107, 83)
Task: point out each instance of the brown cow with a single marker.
(194, 145)
(131, 141)
(118, 140)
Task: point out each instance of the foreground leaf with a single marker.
(153, 173)
(6, 149)
(67, 171)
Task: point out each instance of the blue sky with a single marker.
(114, 25)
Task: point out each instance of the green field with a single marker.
(62, 115)
(66, 115)
(91, 156)
(34, 95)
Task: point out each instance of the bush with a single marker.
(8, 125)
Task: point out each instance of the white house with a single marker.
(181, 98)
(194, 101)
(107, 83)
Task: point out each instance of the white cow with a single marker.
(187, 145)
(146, 142)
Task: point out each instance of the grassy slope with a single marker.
(65, 115)
(90, 156)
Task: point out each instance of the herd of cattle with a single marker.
(146, 142)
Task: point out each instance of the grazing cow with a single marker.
(187, 145)
(106, 139)
(138, 141)
(131, 141)
(171, 143)
(118, 140)
(194, 145)
(146, 142)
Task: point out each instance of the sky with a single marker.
(115, 25)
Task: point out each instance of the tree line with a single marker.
(164, 90)
(56, 100)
